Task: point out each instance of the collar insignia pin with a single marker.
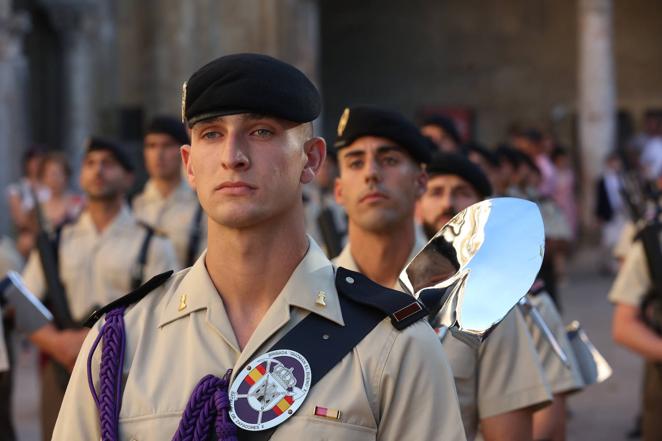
(182, 303)
(321, 299)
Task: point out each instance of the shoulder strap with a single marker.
(195, 233)
(325, 343)
(133, 297)
(138, 273)
(650, 239)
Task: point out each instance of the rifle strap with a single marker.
(138, 273)
(195, 233)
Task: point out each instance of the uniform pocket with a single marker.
(312, 428)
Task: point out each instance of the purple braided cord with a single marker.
(109, 400)
(209, 402)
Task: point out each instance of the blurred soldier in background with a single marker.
(97, 257)
(167, 203)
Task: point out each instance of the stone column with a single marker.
(597, 95)
(13, 99)
(74, 21)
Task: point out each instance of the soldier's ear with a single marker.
(185, 151)
(314, 151)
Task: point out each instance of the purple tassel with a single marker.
(208, 404)
(109, 400)
(206, 410)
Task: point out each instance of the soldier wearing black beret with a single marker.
(167, 202)
(442, 131)
(262, 338)
(454, 180)
(97, 143)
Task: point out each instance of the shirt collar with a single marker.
(122, 219)
(346, 260)
(311, 284)
(151, 193)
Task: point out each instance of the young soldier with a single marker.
(98, 256)
(637, 323)
(262, 301)
(167, 202)
(456, 183)
(381, 177)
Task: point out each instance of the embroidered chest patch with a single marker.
(269, 390)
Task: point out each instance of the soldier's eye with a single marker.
(263, 133)
(211, 134)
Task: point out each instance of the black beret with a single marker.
(506, 153)
(361, 121)
(96, 143)
(487, 154)
(455, 164)
(444, 123)
(168, 125)
(249, 83)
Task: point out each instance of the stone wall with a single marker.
(511, 60)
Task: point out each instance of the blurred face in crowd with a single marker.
(162, 157)
(32, 166)
(102, 177)
(54, 176)
(379, 184)
(491, 171)
(327, 174)
(445, 196)
(249, 169)
(439, 136)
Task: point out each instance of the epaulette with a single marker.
(133, 297)
(403, 309)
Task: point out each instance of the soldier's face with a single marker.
(102, 177)
(378, 184)
(445, 196)
(248, 169)
(162, 157)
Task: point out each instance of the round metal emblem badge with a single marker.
(269, 390)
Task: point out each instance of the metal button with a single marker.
(349, 279)
(325, 336)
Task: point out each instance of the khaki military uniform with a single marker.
(95, 269)
(561, 379)
(10, 260)
(502, 375)
(394, 385)
(625, 240)
(173, 215)
(630, 287)
(633, 280)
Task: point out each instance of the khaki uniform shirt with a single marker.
(502, 375)
(561, 378)
(633, 280)
(625, 240)
(10, 259)
(394, 385)
(96, 268)
(173, 215)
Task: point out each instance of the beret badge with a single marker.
(184, 102)
(343, 121)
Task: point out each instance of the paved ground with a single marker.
(604, 412)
